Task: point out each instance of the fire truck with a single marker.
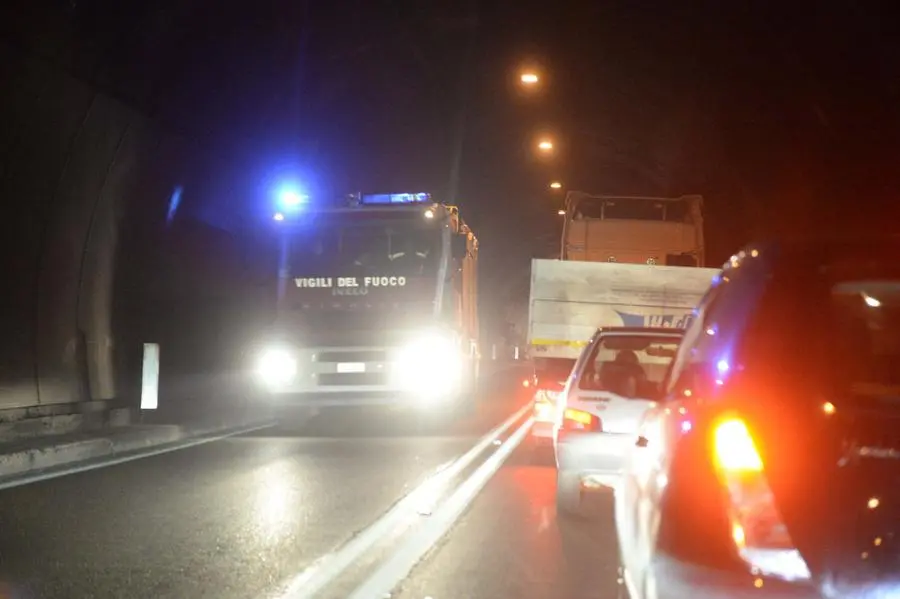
(376, 305)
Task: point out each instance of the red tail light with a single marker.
(759, 534)
(580, 421)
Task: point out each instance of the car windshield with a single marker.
(867, 333)
(340, 248)
(834, 320)
(628, 365)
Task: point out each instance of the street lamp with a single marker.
(545, 145)
(561, 212)
(529, 78)
(555, 185)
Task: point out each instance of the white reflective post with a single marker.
(150, 377)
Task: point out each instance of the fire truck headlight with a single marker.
(276, 366)
(430, 364)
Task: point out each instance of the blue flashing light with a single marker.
(278, 216)
(722, 368)
(395, 198)
(289, 198)
(174, 203)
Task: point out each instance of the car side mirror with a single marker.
(460, 246)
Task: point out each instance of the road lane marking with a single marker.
(393, 571)
(130, 457)
(326, 569)
(545, 520)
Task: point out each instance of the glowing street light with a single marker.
(561, 212)
(545, 145)
(555, 185)
(529, 78)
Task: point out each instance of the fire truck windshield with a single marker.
(337, 246)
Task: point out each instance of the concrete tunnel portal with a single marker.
(94, 262)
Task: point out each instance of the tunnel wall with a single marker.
(92, 265)
(71, 156)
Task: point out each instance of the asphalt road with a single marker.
(511, 544)
(244, 516)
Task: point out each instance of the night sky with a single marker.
(783, 115)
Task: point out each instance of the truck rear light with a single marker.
(545, 405)
(759, 534)
(546, 396)
(580, 421)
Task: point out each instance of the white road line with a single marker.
(139, 455)
(400, 564)
(322, 573)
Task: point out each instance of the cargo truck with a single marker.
(624, 261)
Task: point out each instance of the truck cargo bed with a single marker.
(569, 300)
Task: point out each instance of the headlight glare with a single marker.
(429, 350)
(276, 366)
(430, 364)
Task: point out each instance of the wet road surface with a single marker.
(244, 516)
(512, 544)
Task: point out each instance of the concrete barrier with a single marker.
(48, 456)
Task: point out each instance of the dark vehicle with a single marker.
(771, 465)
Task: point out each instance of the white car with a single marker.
(615, 380)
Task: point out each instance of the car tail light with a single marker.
(760, 535)
(580, 421)
(735, 449)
